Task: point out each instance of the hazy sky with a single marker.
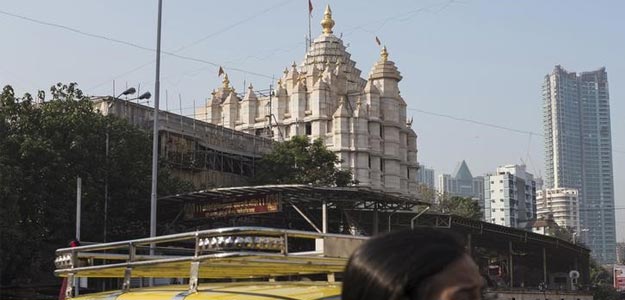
(478, 60)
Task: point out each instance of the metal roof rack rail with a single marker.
(236, 252)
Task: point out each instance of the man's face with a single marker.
(459, 281)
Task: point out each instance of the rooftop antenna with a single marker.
(139, 92)
(310, 9)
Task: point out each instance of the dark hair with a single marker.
(397, 265)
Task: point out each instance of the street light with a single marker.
(157, 93)
(144, 96)
(129, 91)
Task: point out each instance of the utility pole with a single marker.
(78, 204)
(106, 181)
(157, 87)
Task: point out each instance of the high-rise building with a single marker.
(462, 184)
(620, 253)
(578, 151)
(562, 205)
(425, 176)
(510, 196)
(362, 120)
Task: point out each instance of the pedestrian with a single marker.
(419, 264)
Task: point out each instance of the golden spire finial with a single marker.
(327, 23)
(226, 82)
(384, 54)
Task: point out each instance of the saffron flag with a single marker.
(310, 7)
(220, 72)
(377, 40)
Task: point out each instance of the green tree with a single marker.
(426, 193)
(601, 282)
(44, 147)
(458, 206)
(300, 161)
(561, 233)
(446, 204)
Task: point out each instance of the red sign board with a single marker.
(619, 278)
(260, 204)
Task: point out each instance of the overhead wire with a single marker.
(235, 24)
(199, 60)
(401, 17)
(475, 122)
(134, 45)
(496, 126)
(472, 121)
(198, 41)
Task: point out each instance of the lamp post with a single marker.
(157, 89)
(127, 92)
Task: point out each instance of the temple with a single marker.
(362, 120)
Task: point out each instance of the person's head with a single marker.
(420, 264)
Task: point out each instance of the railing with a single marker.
(238, 252)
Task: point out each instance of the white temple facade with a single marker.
(362, 120)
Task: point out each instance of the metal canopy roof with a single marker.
(456, 222)
(299, 193)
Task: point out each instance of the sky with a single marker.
(474, 60)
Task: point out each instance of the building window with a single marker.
(329, 126)
(381, 164)
(369, 162)
(381, 131)
(308, 128)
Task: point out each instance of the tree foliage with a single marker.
(44, 147)
(601, 282)
(446, 204)
(459, 206)
(300, 161)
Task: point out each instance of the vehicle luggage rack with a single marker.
(237, 252)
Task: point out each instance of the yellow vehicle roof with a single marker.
(231, 291)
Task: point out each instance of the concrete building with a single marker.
(426, 176)
(561, 204)
(510, 197)
(462, 184)
(620, 252)
(544, 226)
(324, 97)
(204, 154)
(578, 151)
